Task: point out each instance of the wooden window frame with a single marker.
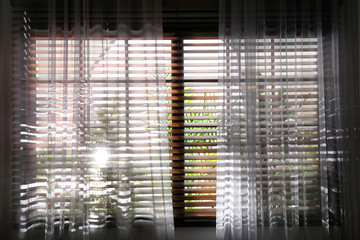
(176, 145)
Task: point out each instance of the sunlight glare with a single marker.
(101, 156)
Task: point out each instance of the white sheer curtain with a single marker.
(279, 128)
(90, 129)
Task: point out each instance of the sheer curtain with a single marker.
(279, 158)
(90, 127)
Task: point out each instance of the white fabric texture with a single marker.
(91, 147)
(279, 151)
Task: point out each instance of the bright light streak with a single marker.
(100, 157)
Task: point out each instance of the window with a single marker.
(288, 124)
(101, 142)
(191, 71)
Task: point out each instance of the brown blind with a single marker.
(193, 127)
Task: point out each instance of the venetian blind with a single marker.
(286, 126)
(289, 122)
(193, 127)
(191, 69)
(88, 130)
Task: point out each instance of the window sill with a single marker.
(198, 233)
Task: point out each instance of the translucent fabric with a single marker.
(90, 127)
(279, 150)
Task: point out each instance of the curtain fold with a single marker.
(91, 148)
(279, 157)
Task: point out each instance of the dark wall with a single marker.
(165, 3)
(5, 119)
(349, 53)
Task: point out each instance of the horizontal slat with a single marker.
(37, 160)
(196, 213)
(194, 184)
(204, 84)
(265, 177)
(198, 190)
(259, 156)
(147, 71)
(194, 204)
(194, 197)
(199, 44)
(269, 171)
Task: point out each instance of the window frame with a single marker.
(177, 81)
